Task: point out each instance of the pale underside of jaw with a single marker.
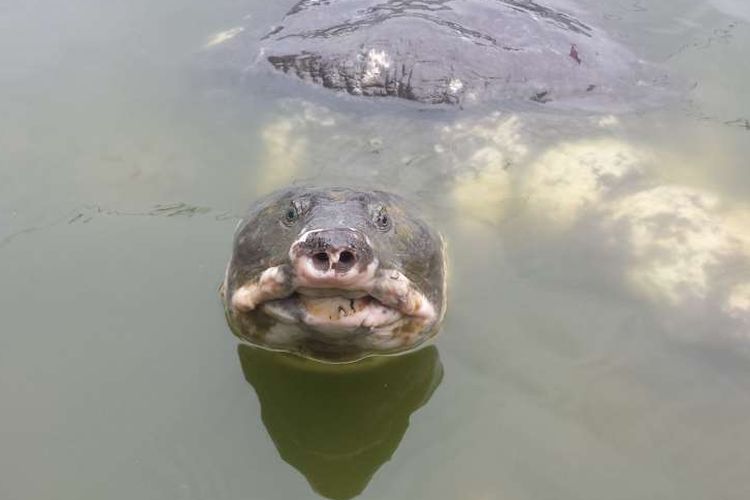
(335, 314)
(382, 301)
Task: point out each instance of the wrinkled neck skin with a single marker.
(341, 291)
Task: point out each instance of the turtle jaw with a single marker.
(373, 300)
(334, 315)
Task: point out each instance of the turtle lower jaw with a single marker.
(387, 314)
(334, 313)
(386, 296)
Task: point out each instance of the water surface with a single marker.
(596, 344)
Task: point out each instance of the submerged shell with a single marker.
(456, 52)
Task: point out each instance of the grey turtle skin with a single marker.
(335, 274)
(455, 52)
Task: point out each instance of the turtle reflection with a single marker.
(337, 424)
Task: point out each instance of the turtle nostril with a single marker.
(346, 257)
(346, 261)
(321, 261)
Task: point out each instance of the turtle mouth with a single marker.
(374, 301)
(336, 311)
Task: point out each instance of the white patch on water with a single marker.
(223, 36)
(677, 236)
(608, 121)
(677, 239)
(738, 303)
(455, 86)
(485, 150)
(286, 143)
(573, 176)
(375, 62)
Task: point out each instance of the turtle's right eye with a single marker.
(381, 219)
(291, 214)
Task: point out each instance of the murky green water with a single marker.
(596, 344)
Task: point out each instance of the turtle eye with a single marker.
(291, 214)
(382, 219)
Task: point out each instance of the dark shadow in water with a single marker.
(337, 424)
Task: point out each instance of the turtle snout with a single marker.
(332, 252)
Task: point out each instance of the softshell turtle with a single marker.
(449, 52)
(335, 274)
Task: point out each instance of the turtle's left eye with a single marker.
(291, 214)
(382, 220)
